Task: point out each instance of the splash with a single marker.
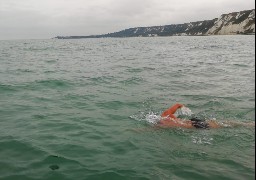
(202, 140)
(184, 111)
(149, 117)
(153, 118)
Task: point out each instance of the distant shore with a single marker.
(241, 23)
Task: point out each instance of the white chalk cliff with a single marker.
(242, 22)
(234, 23)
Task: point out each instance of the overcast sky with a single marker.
(40, 19)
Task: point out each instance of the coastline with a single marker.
(235, 23)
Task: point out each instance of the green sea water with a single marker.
(85, 109)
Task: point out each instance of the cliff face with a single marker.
(233, 23)
(193, 28)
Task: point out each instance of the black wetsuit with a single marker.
(199, 123)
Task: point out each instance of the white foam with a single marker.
(153, 118)
(185, 111)
(201, 140)
(149, 117)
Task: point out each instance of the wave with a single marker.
(39, 84)
(115, 105)
(116, 174)
(132, 81)
(101, 80)
(54, 83)
(7, 88)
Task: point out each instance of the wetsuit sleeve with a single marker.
(170, 112)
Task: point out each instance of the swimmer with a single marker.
(168, 119)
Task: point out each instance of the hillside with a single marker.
(242, 22)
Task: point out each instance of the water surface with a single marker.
(81, 109)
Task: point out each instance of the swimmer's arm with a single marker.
(169, 112)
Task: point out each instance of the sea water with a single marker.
(88, 108)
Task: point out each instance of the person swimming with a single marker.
(168, 119)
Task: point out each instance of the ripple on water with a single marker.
(65, 108)
(17, 156)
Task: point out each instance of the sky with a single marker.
(44, 19)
